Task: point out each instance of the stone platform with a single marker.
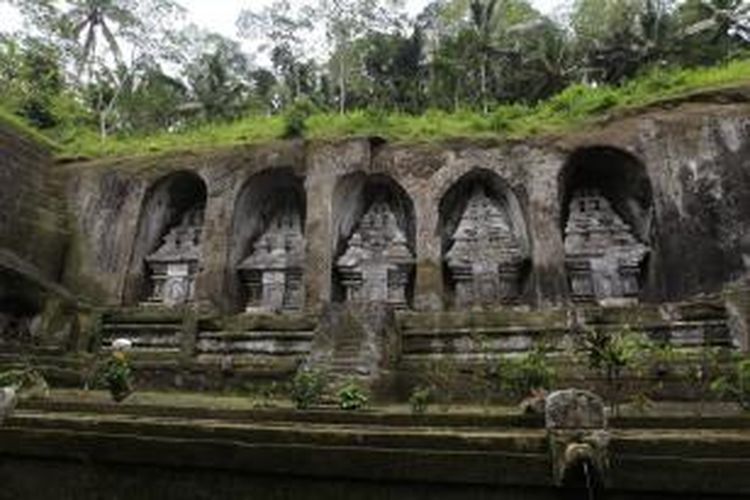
(82, 448)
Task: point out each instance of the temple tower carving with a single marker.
(485, 257)
(272, 273)
(176, 262)
(377, 261)
(602, 254)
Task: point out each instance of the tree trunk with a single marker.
(483, 83)
(342, 87)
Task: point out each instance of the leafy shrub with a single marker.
(420, 399)
(308, 387)
(736, 384)
(504, 117)
(521, 376)
(117, 375)
(610, 354)
(352, 397)
(296, 117)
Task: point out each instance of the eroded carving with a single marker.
(602, 254)
(272, 274)
(485, 257)
(377, 262)
(175, 264)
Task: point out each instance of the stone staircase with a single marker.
(347, 360)
(149, 332)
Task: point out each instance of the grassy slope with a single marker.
(571, 108)
(15, 123)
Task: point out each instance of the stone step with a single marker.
(151, 327)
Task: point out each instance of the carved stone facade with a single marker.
(602, 254)
(485, 257)
(175, 264)
(377, 263)
(272, 273)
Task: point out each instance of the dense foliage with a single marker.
(84, 70)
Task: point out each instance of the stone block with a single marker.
(8, 399)
(574, 409)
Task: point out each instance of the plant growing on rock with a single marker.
(308, 388)
(117, 375)
(735, 384)
(420, 399)
(611, 354)
(524, 375)
(352, 397)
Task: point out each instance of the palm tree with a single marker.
(88, 21)
(92, 19)
(732, 18)
(490, 27)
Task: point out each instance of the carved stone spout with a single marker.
(579, 442)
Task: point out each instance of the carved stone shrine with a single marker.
(602, 254)
(377, 262)
(272, 273)
(485, 257)
(175, 264)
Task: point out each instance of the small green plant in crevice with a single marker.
(735, 384)
(442, 375)
(117, 376)
(703, 371)
(308, 388)
(420, 399)
(521, 376)
(611, 353)
(352, 397)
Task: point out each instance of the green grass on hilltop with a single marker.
(19, 125)
(572, 108)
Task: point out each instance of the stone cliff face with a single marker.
(32, 210)
(678, 177)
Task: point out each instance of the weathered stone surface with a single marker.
(8, 401)
(692, 159)
(574, 409)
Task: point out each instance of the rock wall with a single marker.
(32, 213)
(695, 159)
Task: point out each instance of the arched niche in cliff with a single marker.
(167, 251)
(374, 241)
(484, 241)
(21, 304)
(266, 255)
(606, 216)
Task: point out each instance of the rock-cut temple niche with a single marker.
(484, 242)
(602, 255)
(377, 261)
(167, 253)
(269, 232)
(607, 224)
(174, 265)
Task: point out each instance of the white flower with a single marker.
(122, 345)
